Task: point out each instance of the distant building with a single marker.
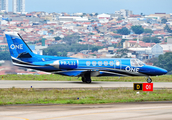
(167, 47)
(37, 49)
(72, 18)
(18, 6)
(123, 13)
(159, 15)
(134, 44)
(4, 5)
(169, 40)
(103, 18)
(147, 53)
(3, 46)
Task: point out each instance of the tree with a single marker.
(123, 31)
(92, 20)
(91, 34)
(117, 36)
(167, 28)
(148, 31)
(95, 49)
(91, 14)
(96, 28)
(96, 14)
(62, 49)
(52, 31)
(5, 55)
(163, 21)
(71, 39)
(151, 40)
(84, 14)
(57, 38)
(165, 61)
(137, 29)
(121, 43)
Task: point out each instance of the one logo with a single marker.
(130, 69)
(20, 46)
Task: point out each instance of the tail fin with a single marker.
(17, 47)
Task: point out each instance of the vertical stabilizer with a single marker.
(17, 47)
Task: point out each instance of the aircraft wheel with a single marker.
(87, 77)
(89, 81)
(83, 79)
(149, 80)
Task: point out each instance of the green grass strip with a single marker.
(82, 96)
(52, 77)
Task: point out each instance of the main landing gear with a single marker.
(149, 80)
(86, 78)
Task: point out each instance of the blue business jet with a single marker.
(23, 56)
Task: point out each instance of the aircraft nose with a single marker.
(161, 71)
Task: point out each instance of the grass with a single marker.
(82, 96)
(52, 77)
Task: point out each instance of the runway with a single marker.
(74, 84)
(122, 111)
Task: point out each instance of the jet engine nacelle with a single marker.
(65, 64)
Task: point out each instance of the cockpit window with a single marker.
(136, 63)
(140, 62)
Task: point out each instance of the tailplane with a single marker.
(18, 48)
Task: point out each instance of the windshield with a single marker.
(137, 63)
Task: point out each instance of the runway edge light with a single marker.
(137, 86)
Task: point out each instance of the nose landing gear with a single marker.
(149, 80)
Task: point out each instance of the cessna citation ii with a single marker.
(23, 56)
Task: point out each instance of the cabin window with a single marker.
(105, 63)
(100, 63)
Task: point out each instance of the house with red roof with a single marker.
(135, 44)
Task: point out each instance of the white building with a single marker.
(147, 53)
(4, 5)
(65, 19)
(167, 47)
(19, 6)
(123, 13)
(103, 18)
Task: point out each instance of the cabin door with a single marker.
(117, 64)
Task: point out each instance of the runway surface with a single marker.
(74, 84)
(125, 111)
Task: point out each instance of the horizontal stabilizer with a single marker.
(24, 55)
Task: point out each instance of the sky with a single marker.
(98, 6)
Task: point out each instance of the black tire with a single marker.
(149, 80)
(83, 79)
(89, 81)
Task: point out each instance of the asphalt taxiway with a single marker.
(122, 111)
(74, 84)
